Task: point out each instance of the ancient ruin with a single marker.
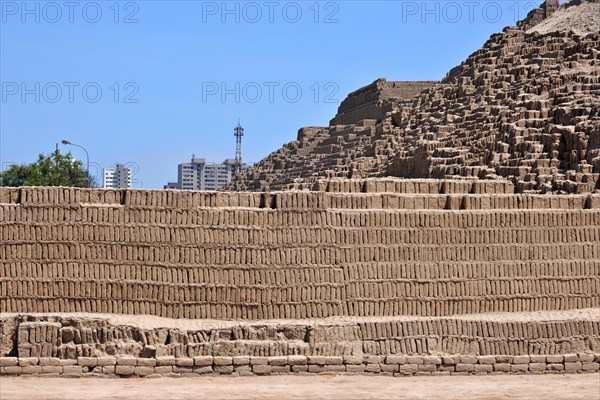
(525, 107)
(487, 260)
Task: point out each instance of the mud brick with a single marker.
(519, 368)
(334, 360)
(373, 368)
(297, 360)
(278, 361)
(432, 360)
(13, 370)
(409, 368)
(504, 359)
(316, 360)
(573, 366)
(9, 361)
(536, 359)
(49, 361)
(427, 368)
(354, 360)
(166, 360)
(491, 360)
(67, 362)
(299, 368)
(241, 368)
(280, 369)
(52, 369)
(450, 360)
(465, 367)
(389, 367)
(223, 369)
(555, 367)
(32, 369)
(104, 361)
(124, 369)
(109, 370)
(355, 368)
(187, 362)
(374, 359)
(126, 362)
(182, 370)
(468, 359)
(555, 359)
(146, 362)
(483, 368)
(259, 361)
(261, 369)
(87, 361)
(502, 367)
(72, 370)
(570, 358)
(521, 360)
(316, 368)
(27, 361)
(537, 366)
(395, 360)
(202, 361)
(220, 361)
(206, 369)
(163, 369)
(586, 358)
(143, 371)
(237, 360)
(590, 366)
(447, 368)
(414, 359)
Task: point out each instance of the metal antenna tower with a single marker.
(238, 133)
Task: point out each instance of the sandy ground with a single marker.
(555, 387)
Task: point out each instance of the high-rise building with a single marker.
(200, 175)
(117, 177)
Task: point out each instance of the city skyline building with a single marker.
(117, 177)
(201, 175)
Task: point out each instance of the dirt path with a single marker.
(555, 387)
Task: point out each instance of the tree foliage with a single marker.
(51, 170)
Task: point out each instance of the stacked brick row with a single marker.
(71, 336)
(298, 364)
(293, 255)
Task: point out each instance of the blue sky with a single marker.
(149, 83)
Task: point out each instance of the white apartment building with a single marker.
(200, 175)
(117, 177)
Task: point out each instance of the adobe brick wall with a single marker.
(295, 255)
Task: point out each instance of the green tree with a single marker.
(51, 170)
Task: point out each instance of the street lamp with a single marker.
(66, 142)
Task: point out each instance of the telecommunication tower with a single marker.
(238, 133)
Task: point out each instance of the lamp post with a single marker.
(66, 142)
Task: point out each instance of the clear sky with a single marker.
(149, 83)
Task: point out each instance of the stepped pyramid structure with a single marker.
(525, 107)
